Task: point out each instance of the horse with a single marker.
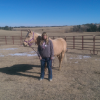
(59, 45)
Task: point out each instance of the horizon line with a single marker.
(46, 25)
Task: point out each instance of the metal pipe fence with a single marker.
(85, 42)
(11, 40)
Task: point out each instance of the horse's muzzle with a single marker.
(24, 45)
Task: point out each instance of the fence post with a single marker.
(20, 40)
(94, 45)
(5, 40)
(65, 38)
(73, 42)
(21, 33)
(13, 39)
(82, 42)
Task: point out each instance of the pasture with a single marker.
(79, 78)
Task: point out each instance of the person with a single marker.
(45, 53)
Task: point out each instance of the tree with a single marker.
(92, 28)
(99, 28)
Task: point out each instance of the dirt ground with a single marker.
(79, 78)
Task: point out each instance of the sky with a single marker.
(49, 12)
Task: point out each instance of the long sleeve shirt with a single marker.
(46, 50)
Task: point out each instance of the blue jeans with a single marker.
(49, 65)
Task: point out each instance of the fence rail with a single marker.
(11, 40)
(85, 42)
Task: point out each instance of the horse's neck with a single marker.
(50, 39)
(37, 38)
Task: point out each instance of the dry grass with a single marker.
(79, 77)
(52, 31)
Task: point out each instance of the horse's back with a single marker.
(59, 45)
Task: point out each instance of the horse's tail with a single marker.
(65, 56)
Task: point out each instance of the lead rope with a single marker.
(35, 51)
(38, 56)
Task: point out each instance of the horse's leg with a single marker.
(61, 58)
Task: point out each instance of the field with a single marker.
(55, 31)
(52, 31)
(79, 78)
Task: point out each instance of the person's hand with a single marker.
(51, 57)
(40, 57)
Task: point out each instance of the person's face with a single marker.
(44, 37)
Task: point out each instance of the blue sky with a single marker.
(48, 12)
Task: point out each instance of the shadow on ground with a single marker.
(16, 69)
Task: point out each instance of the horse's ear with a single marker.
(29, 31)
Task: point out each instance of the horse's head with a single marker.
(30, 38)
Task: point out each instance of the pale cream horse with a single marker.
(59, 45)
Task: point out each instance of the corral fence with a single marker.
(11, 40)
(84, 42)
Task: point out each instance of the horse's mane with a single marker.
(38, 34)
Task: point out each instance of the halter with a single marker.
(31, 44)
(30, 40)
